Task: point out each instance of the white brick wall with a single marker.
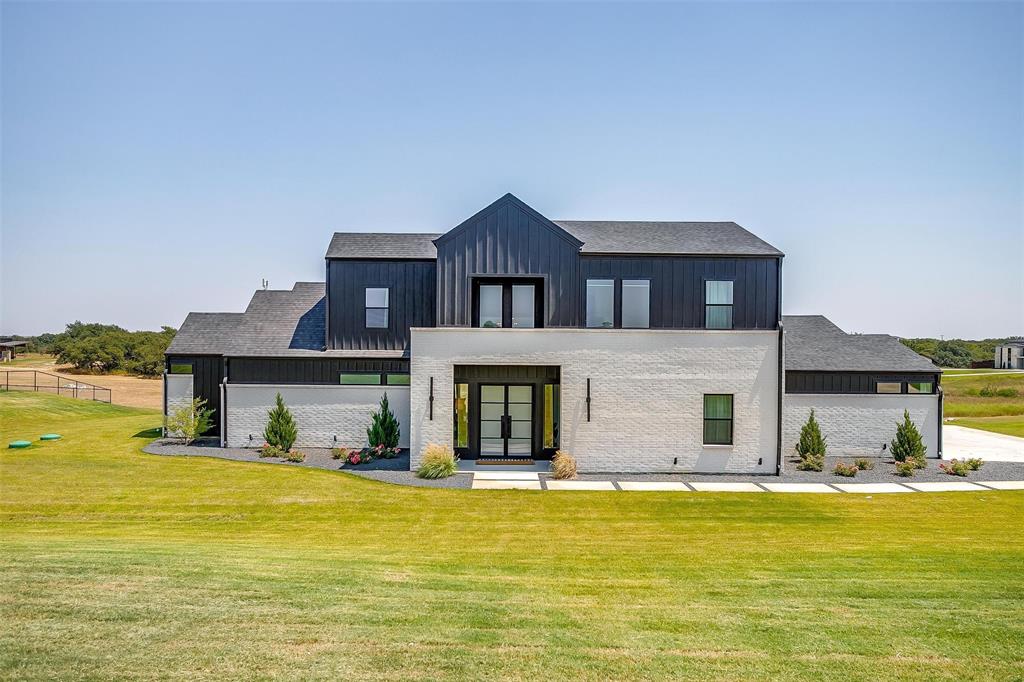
(179, 392)
(647, 390)
(320, 411)
(859, 424)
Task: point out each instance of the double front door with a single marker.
(506, 420)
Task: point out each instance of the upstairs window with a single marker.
(636, 303)
(507, 303)
(718, 304)
(601, 303)
(376, 308)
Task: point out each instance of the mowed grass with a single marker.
(998, 413)
(117, 564)
(1011, 426)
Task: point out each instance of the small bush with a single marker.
(848, 470)
(438, 462)
(905, 469)
(563, 466)
(280, 431)
(955, 467)
(384, 428)
(974, 463)
(295, 456)
(864, 464)
(811, 441)
(339, 453)
(190, 421)
(355, 457)
(380, 452)
(811, 462)
(269, 450)
(990, 391)
(908, 444)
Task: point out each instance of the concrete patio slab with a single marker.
(1003, 485)
(506, 485)
(960, 443)
(799, 488)
(872, 488)
(726, 487)
(943, 486)
(580, 485)
(505, 476)
(654, 486)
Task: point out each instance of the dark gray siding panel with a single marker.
(508, 240)
(207, 373)
(849, 382)
(305, 370)
(412, 302)
(677, 287)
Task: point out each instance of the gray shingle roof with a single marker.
(814, 343)
(382, 245)
(204, 333)
(645, 237)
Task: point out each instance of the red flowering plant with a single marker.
(354, 457)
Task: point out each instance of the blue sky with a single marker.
(162, 158)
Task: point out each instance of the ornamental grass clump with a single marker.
(974, 463)
(563, 466)
(864, 464)
(811, 462)
(847, 470)
(955, 467)
(438, 462)
(905, 469)
(295, 456)
(269, 450)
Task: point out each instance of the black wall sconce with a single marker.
(431, 400)
(588, 399)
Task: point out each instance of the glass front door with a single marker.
(506, 420)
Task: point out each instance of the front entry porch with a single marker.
(506, 413)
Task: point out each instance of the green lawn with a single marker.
(1012, 426)
(116, 564)
(977, 403)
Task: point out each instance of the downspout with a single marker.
(163, 427)
(224, 406)
(782, 388)
(938, 386)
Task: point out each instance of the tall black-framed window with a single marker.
(377, 300)
(601, 303)
(718, 419)
(636, 303)
(718, 304)
(514, 303)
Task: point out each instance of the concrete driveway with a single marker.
(959, 442)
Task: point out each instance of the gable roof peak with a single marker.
(501, 202)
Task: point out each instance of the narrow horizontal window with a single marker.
(717, 420)
(888, 387)
(360, 378)
(377, 303)
(601, 303)
(181, 368)
(919, 387)
(636, 303)
(398, 379)
(718, 304)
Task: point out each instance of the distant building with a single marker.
(1010, 355)
(9, 349)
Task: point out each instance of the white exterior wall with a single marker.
(179, 392)
(321, 412)
(1016, 360)
(647, 389)
(860, 424)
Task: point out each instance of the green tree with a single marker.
(811, 441)
(384, 427)
(908, 444)
(280, 431)
(190, 421)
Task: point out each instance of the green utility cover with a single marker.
(50, 436)
(18, 444)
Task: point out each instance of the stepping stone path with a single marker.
(799, 488)
(664, 486)
(944, 486)
(727, 487)
(581, 485)
(505, 485)
(1003, 485)
(873, 488)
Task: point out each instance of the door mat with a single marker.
(506, 462)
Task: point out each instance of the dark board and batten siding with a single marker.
(306, 370)
(508, 239)
(207, 373)
(849, 382)
(677, 286)
(411, 302)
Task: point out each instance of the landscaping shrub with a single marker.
(295, 456)
(438, 462)
(381, 452)
(908, 445)
(811, 441)
(563, 466)
(269, 450)
(974, 463)
(955, 467)
(990, 391)
(339, 453)
(190, 421)
(811, 462)
(384, 427)
(864, 464)
(280, 431)
(905, 469)
(848, 470)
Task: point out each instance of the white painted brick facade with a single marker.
(860, 424)
(179, 393)
(321, 412)
(647, 389)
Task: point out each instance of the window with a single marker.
(376, 308)
(888, 387)
(360, 378)
(601, 303)
(919, 387)
(462, 415)
(507, 303)
(181, 368)
(717, 420)
(718, 304)
(524, 305)
(551, 415)
(490, 305)
(636, 303)
(398, 379)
